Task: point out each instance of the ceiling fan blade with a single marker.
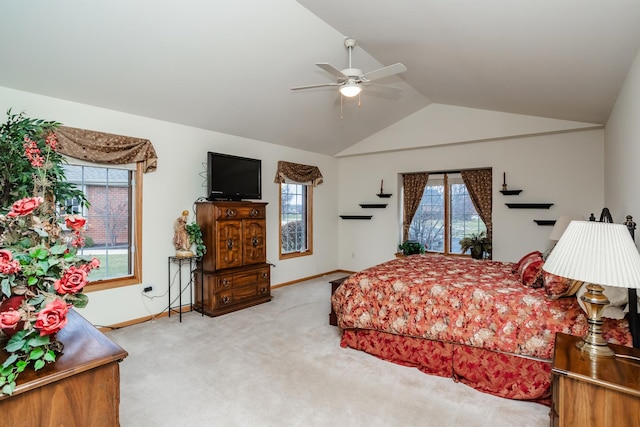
(314, 86)
(383, 72)
(331, 70)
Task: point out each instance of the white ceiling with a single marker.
(228, 66)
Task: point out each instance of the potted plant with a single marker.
(479, 245)
(195, 238)
(411, 247)
(41, 269)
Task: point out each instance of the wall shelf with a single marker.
(384, 195)
(529, 205)
(373, 205)
(545, 221)
(511, 192)
(356, 216)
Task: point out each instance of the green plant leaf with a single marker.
(12, 358)
(38, 341)
(15, 345)
(80, 300)
(39, 364)
(6, 287)
(58, 249)
(36, 353)
(9, 388)
(50, 356)
(21, 365)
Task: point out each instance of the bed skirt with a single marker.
(500, 374)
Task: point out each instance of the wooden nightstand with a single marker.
(333, 319)
(599, 393)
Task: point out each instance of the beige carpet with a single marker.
(280, 364)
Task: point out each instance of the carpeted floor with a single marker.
(280, 364)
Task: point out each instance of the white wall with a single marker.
(622, 150)
(566, 169)
(176, 184)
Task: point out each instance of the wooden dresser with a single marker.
(600, 393)
(82, 388)
(235, 272)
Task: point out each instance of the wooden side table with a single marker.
(82, 388)
(333, 318)
(602, 392)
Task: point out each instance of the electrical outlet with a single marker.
(148, 289)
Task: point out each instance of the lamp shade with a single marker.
(561, 224)
(350, 89)
(596, 252)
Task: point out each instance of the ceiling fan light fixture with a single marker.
(350, 89)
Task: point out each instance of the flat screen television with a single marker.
(233, 178)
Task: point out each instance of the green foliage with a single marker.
(41, 274)
(195, 237)
(18, 177)
(478, 244)
(411, 247)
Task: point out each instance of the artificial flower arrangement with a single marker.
(41, 273)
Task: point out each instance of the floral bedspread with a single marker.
(478, 303)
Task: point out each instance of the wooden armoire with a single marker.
(235, 272)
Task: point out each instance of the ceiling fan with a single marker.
(350, 81)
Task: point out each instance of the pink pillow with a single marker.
(526, 258)
(557, 287)
(531, 272)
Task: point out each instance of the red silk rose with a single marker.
(9, 319)
(72, 282)
(11, 315)
(75, 222)
(7, 264)
(25, 206)
(52, 318)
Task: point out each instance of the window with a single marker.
(445, 215)
(295, 220)
(112, 232)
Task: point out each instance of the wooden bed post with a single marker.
(634, 321)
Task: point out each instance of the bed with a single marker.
(488, 324)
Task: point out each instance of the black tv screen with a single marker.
(233, 178)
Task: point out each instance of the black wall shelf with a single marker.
(511, 192)
(384, 195)
(529, 205)
(356, 216)
(373, 205)
(545, 221)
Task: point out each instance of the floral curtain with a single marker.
(101, 147)
(413, 185)
(303, 174)
(479, 185)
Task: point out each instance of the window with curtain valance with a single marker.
(100, 164)
(296, 207)
(441, 208)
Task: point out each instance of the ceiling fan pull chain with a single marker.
(341, 106)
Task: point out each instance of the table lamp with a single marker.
(599, 254)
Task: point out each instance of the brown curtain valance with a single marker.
(101, 147)
(303, 174)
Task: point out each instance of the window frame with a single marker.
(135, 277)
(309, 221)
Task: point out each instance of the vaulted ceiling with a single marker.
(229, 66)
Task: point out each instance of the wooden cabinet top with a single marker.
(621, 372)
(234, 210)
(85, 348)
